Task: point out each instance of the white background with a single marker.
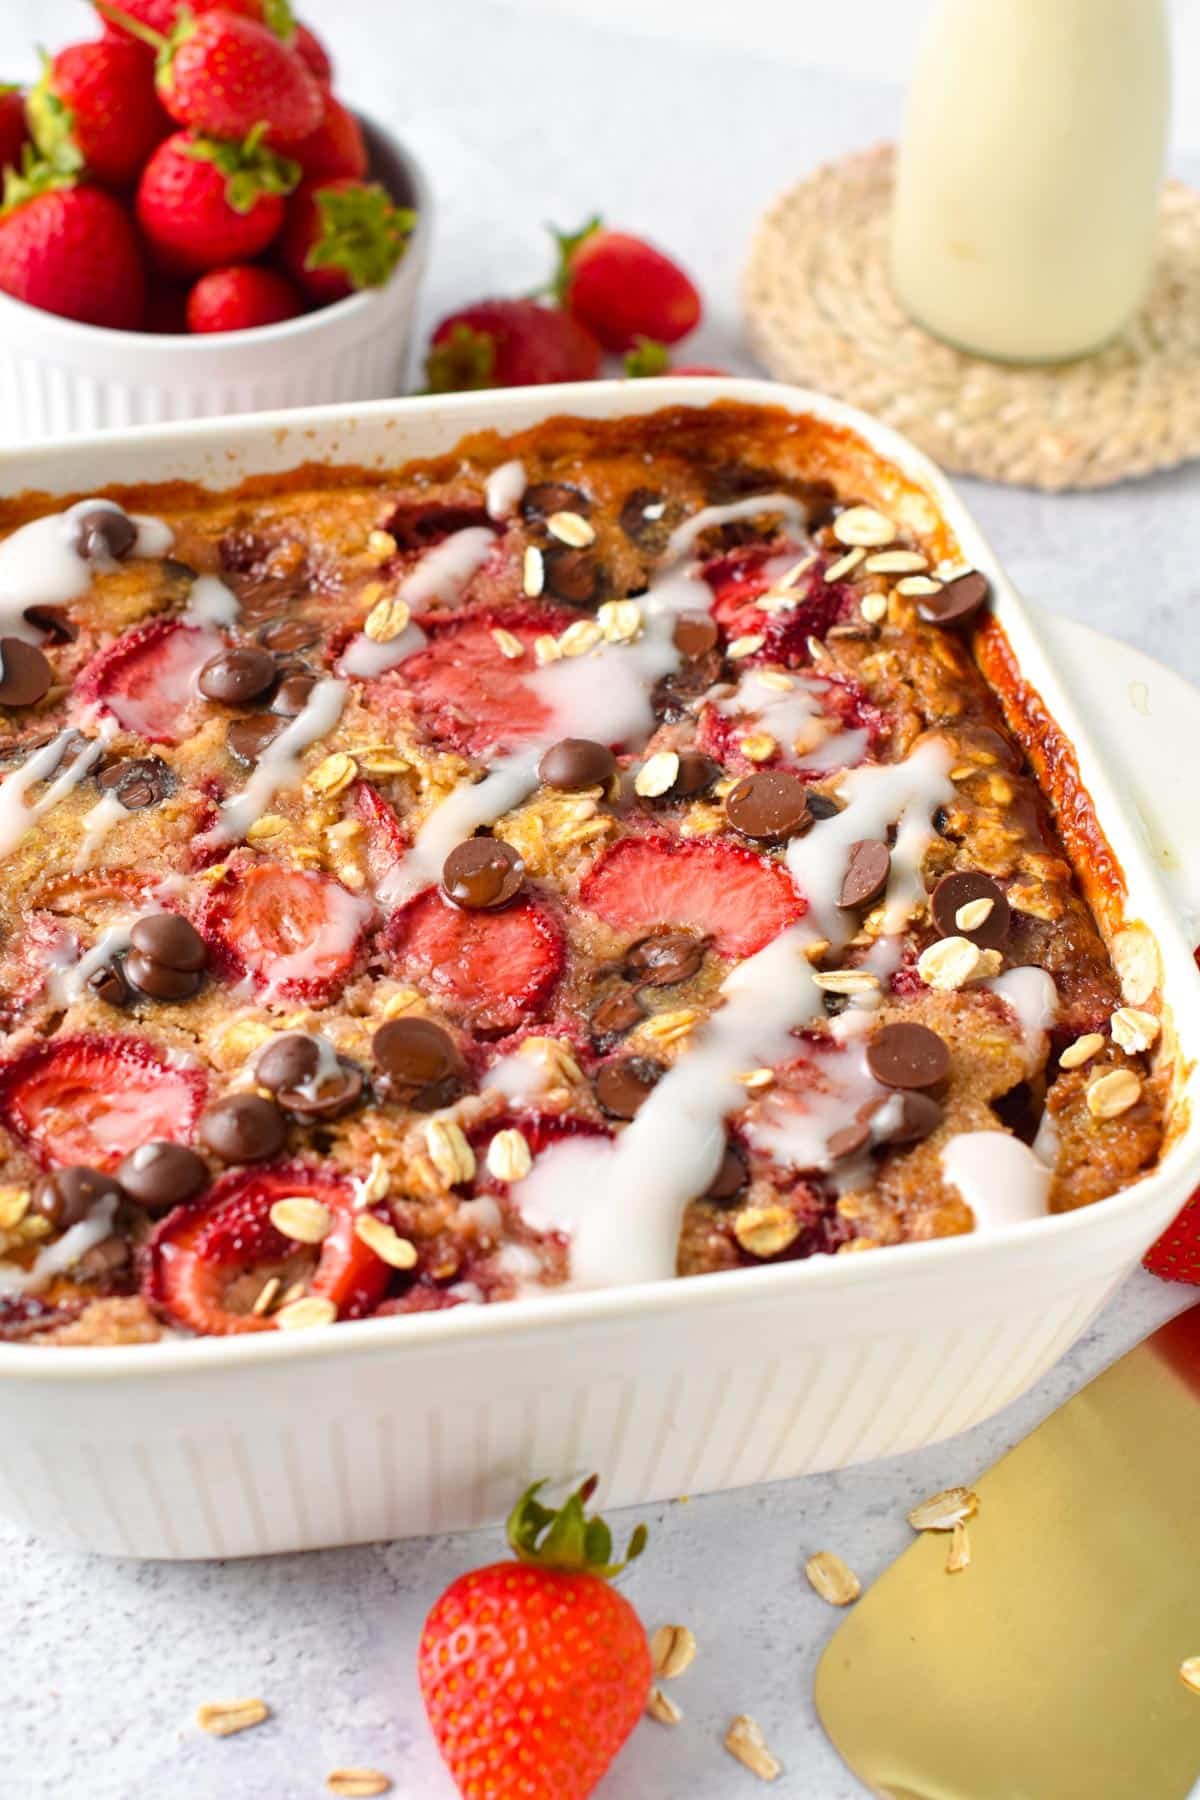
(681, 118)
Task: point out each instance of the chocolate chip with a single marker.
(623, 1087)
(53, 622)
(137, 781)
(482, 873)
(108, 984)
(821, 806)
(298, 1074)
(104, 534)
(546, 497)
(174, 570)
(769, 806)
(904, 1117)
(155, 981)
(25, 674)
(849, 1140)
(286, 635)
(664, 958)
(958, 601)
(575, 763)
(959, 889)
(695, 634)
(159, 1175)
(908, 1055)
(866, 874)
(247, 738)
(570, 575)
(632, 516)
(68, 1195)
(730, 1178)
(293, 694)
(243, 1128)
(100, 1262)
(419, 1062)
(672, 697)
(168, 938)
(617, 1014)
(696, 775)
(237, 675)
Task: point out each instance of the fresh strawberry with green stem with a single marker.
(95, 108)
(534, 1673)
(241, 297)
(509, 343)
(14, 127)
(223, 74)
(70, 250)
(342, 235)
(622, 288)
(203, 202)
(162, 15)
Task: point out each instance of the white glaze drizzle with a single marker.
(210, 602)
(16, 816)
(796, 718)
(504, 489)
(366, 658)
(97, 823)
(444, 571)
(279, 767)
(53, 1259)
(1033, 997)
(343, 916)
(1000, 1178)
(66, 985)
(39, 565)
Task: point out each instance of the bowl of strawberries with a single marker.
(193, 223)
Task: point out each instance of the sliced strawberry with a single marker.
(742, 577)
(297, 934)
(494, 970)
(1176, 1255)
(739, 900)
(92, 1100)
(28, 957)
(207, 1262)
(472, 698)
(386, 839)
(837, 704)
(146, 680)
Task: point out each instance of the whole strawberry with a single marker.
(241, 297)
(14, 128)
(95, 108)
(509, 343)
(70, 250)
(223, 75)
(203, 202)
(1176, 1254)
(336, 148)
(342, 235)
(535, 1673)
(623, 289)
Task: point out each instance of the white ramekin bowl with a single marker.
(58, 377)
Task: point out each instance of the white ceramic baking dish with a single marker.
(431, 1423)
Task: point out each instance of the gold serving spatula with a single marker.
(1049, 1668)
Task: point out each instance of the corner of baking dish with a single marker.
(1136, 914)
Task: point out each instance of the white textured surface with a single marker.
(522, 119)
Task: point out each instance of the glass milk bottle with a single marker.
(1027, 187)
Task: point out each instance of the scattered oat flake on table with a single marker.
(833, 1579)
(958, 1557)
(222, 1718)
(942, 1512)
(358, 1784)
(661, 1707)
(1189, 1673)
(745, 1740)
(672, 1650)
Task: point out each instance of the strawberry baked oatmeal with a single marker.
(620, 850)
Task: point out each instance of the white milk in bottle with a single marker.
(1029, 172)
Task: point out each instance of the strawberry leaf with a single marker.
(277, 16)
(36, 176)
(464, 359)
(565, 1537)
(52, 123)
(362, 233)
(250, 168)
(649, 357)
(136, 28)
(567, 243)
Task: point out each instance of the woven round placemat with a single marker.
(821, 312)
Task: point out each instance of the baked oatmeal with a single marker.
(587, 857)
